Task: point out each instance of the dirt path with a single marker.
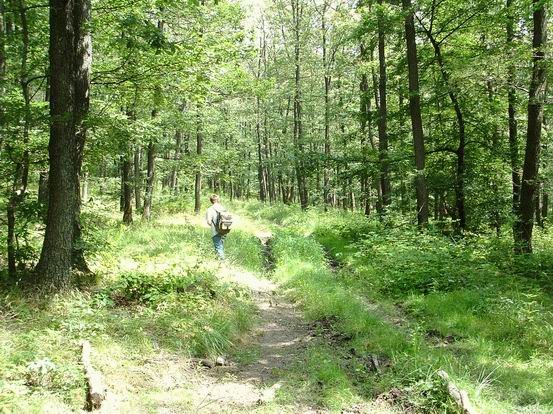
(251, 387)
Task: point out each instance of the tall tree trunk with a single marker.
(460, 151)
(83, 63)
(416, 118)
(513, 127)
(533, 137)
(175, 170)
(2, 48)
(198, 180)
(327, 84)
(297, 13)
(537, 208)
(137, 176)
(260, 172)
(150, 177)
(127, 188)
(70, 60)
(383, 113)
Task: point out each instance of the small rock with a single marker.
(450, 339)
(220, 361)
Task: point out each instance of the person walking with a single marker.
(211, 218)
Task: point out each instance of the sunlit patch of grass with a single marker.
(158, 295)
(466, 305)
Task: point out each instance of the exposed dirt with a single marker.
(281, 336)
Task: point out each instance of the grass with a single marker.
(416, 302)
(425, 302)
(157, 303)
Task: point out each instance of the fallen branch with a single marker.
(96, 392)
(460, 396)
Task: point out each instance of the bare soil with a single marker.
(280, 337)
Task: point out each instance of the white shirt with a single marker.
(211, 217)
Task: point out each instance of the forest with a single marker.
(388, 171)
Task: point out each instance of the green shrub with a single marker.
(150, 289)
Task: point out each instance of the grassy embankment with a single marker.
(419, 303)
(158, 302)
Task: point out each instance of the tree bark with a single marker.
(513, 127)
(383, 113)
(83, 50)
(137, 176)
(533, 136)
(260, 172)
(2, 48)
(70, 61)
(198, 179)
(416, 118)
(150, 177)
(127, 188)
(297, 12)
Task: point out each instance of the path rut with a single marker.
(281, 336)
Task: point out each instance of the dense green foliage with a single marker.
(210, 91)
(310, 107)
(424, 303)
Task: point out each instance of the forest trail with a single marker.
(279, 342)
(279, 337)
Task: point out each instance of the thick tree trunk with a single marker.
(416, 118)
(82, 16)
(533, 137)
(70, 60)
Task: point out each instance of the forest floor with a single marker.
(248, 379)
(311, 313)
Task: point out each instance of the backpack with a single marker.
(224, 222)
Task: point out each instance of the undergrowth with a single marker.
(158, 294)
(423, 301)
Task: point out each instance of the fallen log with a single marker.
(96, 390)
(460, 397)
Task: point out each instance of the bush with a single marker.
(150, 289)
